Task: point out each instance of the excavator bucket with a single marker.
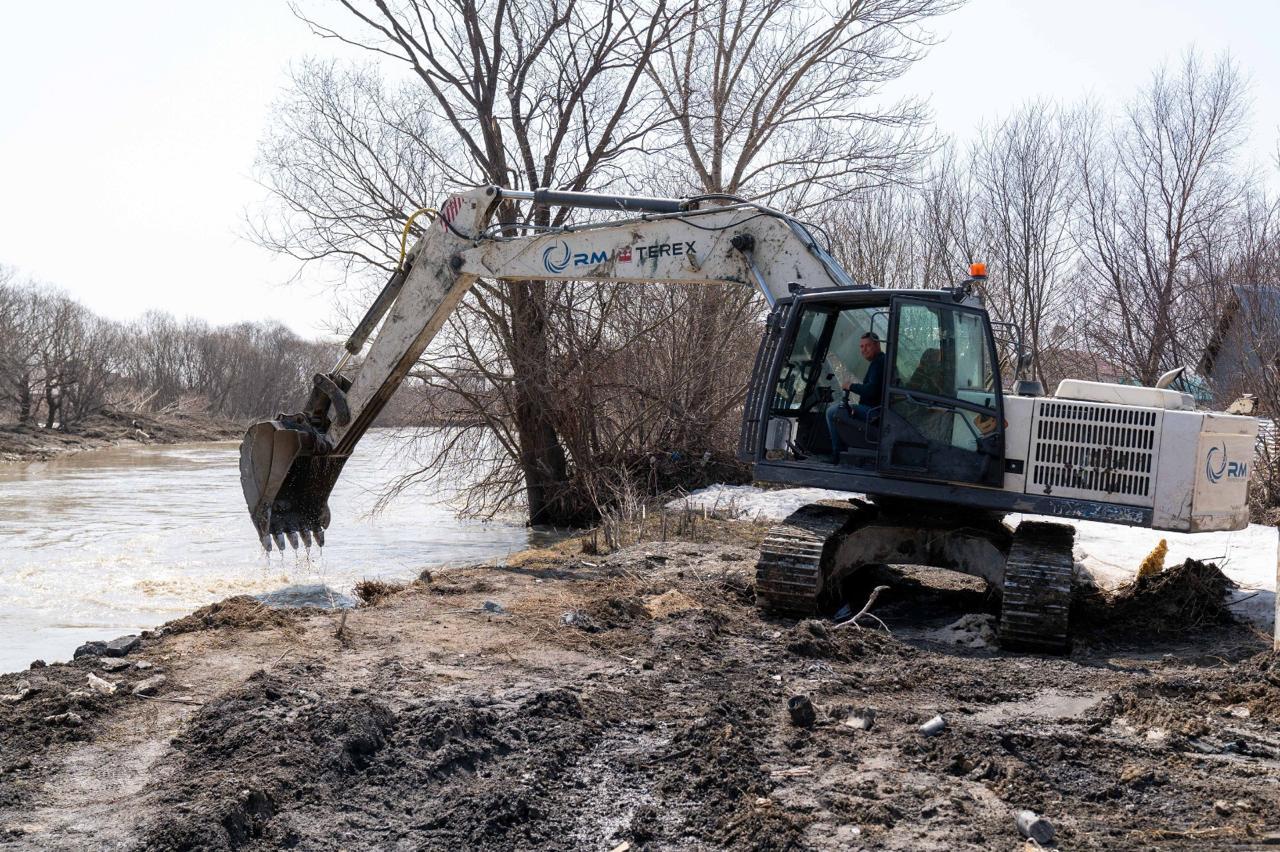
(286, 479)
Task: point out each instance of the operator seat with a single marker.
(928, 377)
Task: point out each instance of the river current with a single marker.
(108, 542)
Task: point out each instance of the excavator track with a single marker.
(1037, 589)
(795, 557)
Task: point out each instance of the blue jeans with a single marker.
(839, 412)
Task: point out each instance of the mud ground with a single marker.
(111, 428)
(638, 701)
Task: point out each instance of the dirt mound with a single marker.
(715, 761)
(615, 612)
(48, 705)
(1267, 665)
(448, 587)
(230, 796)
(822, 641)
(626, 605)
(342, 769)
(34, 710)
(238, 611)
(20, 442)
(1253, 688)
(436, 725)
(1196, 704)
(159, 428)
(1179, 601)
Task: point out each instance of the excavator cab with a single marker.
(938, 415)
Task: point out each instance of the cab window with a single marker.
(825, 356)
(798, 370)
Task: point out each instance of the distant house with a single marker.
(1245, 342)
(1082, 364)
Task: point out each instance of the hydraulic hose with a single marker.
(404, 235)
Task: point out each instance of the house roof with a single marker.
(1249, 298)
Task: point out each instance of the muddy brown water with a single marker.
(101, 543)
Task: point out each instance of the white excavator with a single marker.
(937, 462)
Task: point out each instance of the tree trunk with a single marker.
(50, 404)
(24, 398)
(542, 458)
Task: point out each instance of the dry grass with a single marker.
(662, 524)
(371, 591)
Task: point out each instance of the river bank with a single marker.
(125, 538)
(562, 700)
(27, 442)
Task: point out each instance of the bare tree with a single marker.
(566, 379)
(511, 94)
(92, 370)
(782, 99)
(11, 330)
(1152, 190)
(21, 340)
(1023, 170)
(878, 235)
(949, 223)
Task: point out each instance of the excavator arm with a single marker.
(289, 465)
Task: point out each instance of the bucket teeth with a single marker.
(306, 538)
(287, 471)
(266, 543)
(320, 536)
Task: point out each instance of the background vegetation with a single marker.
(1115, 240)
(59, 363)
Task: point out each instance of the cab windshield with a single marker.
(825, 356)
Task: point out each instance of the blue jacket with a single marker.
(870, 390)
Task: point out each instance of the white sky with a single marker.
(128, 129)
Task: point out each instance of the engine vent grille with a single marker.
(1095, 451)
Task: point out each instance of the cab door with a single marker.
(943, 413)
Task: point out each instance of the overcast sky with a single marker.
(128, 129)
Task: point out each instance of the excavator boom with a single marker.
(289, 465)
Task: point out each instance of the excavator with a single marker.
(933, 467)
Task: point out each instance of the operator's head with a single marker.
(870, 345)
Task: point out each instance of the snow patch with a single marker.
(1110, 555)
(975, 630)
(748, 502)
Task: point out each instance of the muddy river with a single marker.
(108, 542)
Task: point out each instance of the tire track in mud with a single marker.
(646, 754)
